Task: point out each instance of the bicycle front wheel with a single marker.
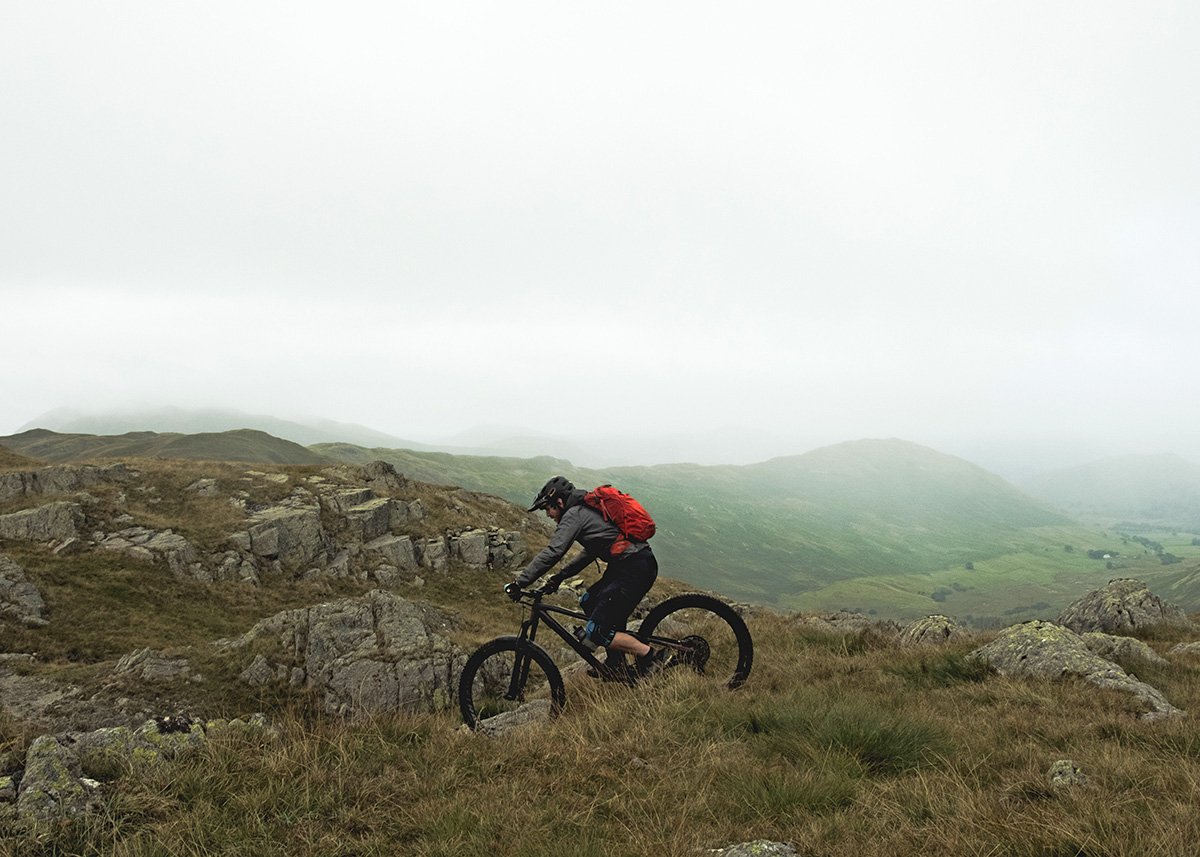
(505, 675)
(710, 638)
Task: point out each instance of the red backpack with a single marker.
(626, 513)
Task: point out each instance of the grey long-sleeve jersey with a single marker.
(583, 524)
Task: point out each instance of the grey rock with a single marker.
(1192, 648)
(295, 537)
(342, 501)
(204, 488)
(531, 714)
(1122, 606)
(382, 476)
(1064, 773)
(19, 598)
(53, 785)
(370, 654)
(150, 665)
(1113, 647)
(1044, 649)
(60, 479)
(370, 520)
(396, 550)
(471, 548)
(53, 522)
(258, 673)
(8, 789)
(758, 848)
(433, 553)
(845, 623)
(933, 630)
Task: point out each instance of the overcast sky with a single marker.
(970, 225)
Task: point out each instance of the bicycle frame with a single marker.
(539, 612)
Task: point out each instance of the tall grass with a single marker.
(841, 752)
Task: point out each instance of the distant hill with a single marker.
(244, 445)
(1163, 490)
(10, 460)
(769, 532)
(211, 421)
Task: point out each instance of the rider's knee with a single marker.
(598, 635)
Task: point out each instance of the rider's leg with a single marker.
(627, 643)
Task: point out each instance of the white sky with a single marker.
(971, 225)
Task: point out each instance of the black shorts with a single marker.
(609, 602)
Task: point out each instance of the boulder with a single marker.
(1192, 648)
(1047, 650)
(60, 479)
(1113, 647)
(369, 654)
(370, 520)
(150, 665)
(19, 599)
(53, 522)
(758, 848)
(482, 549)
(433, 553)
(295, 537)
(471, 548)
(933, 630)
(53, 785)
(383, 477)
(395, 550)
(1123, 606)
(1065, 773)
(532, 713)
(148, 545)
(845, 623)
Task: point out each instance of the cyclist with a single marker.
(609, 601)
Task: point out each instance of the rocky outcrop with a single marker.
(1113, 647)
(56, 785)
(19, 599)
(61, 479)
(149, 545)
(53, 522)
(1064, 774)
(1123, 606)
(758, 848)
(153, 666)
(293, 537)
(370, 654)
(53, 785)
(934, 630)
(1051, 651)
(492, 548)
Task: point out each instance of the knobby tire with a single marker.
(508, 667)
(714, 621)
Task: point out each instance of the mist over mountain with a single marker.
(885, 525)
(1163, 490)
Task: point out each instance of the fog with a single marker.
(667, 231)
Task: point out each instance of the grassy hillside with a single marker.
(883, 525)
(842, 745)
(1160, 490)
(10, 460)
(879, 525)
(240, 445)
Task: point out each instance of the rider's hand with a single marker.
(552, 584)
(513, 590)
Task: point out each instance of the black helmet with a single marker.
(555, 488)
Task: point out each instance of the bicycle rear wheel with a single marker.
(506, 674)
(713, 639)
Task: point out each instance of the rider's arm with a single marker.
(564, 535)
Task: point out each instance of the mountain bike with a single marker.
(701, 634)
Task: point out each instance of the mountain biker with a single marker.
(609, 601)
